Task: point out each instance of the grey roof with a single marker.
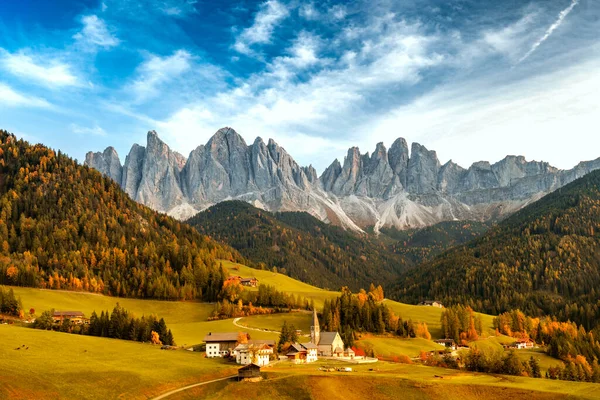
(222, 337)
(297, 348)
(262, 341)
(338, 350)
(68, 314)
(327, 338)
(309, 345)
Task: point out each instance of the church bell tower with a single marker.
(315, 330)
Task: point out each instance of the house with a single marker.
(349, 353)
(523, 344)
(252, 282)
(221, 344)
(301, 353)
(448, 343)
(76, 317)
(256, 352)
(328, 343)
(249, 371)
(430, 303)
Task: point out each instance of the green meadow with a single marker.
(61, 365)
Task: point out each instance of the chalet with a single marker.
(252, 282)
(301, 353)
(256, 352)
(447, 343)
(221, 344)
(249, 371)
(328, 343)
(523, 344)
(431, 303)
(76, 317)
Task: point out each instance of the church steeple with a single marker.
(315, 330)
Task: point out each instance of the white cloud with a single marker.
(50, 72)
(276, 101)
(84, 130)
(271, 13)
(551, 117)
(95, 34)
(338, 12)
(156, 71)
(11, 98)
(563, 14)
(309, 12)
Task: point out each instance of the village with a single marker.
(255, 354)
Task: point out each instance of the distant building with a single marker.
(432, 303)
(249, 371)
(523, 344)
(328, 343)
(257, 352)
(301, 353)
(252, 282)
(76, 317)
(448, 343)
(221, 344)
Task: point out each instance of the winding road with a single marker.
(165, 395)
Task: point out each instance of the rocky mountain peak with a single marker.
(387, 187)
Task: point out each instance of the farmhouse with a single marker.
(249, 371)
(432, 303)
(252, 282)
(76, 317)
(221, 344)
(448, 343)
(301, 353)
(328, 343)
(523, 344)
(256, 352)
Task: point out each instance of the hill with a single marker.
(544, 260)
(423, 244)
(65, 226)
(301, 246)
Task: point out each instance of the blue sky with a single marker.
(472, 79)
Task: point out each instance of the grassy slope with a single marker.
(282, 282)
(390, 381)
(187, 320)
(60, 365)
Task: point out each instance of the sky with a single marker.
(472, 79)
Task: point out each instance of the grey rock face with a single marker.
(106, 162)
(423, 169)
(392, 187)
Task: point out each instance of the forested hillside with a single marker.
(301, 246)
(545, 259)
(65, 226)
(423, 244)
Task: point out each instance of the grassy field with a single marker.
(390, 381)
(187, 320)
(300, 320)
(61, 365)
(282, 283)
(390, 347)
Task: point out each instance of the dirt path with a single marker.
(165, 395)
(235, 322)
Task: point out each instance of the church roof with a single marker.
(327, 338)
(315, 318)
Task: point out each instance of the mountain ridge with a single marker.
(388, 188)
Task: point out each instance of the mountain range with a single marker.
(388, 188)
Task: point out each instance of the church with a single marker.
(328, 343)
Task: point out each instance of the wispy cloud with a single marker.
(269, 16)
(85, 130)
(12, 98)
(48, 72)
(95, 34)
(156, 71)
(563, 14)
